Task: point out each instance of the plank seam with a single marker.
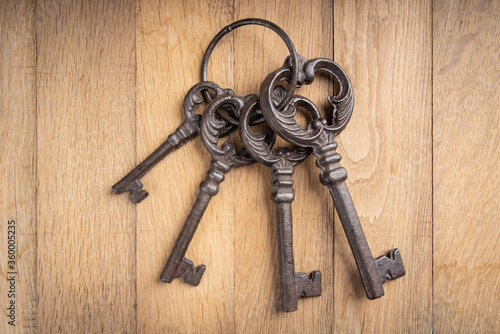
(234, 204)
(135, 149)
(35, 164)
(432, 166)
(333, 208)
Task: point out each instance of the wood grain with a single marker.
(385, 47)
(17, 164)
(466, 166)
(258, 51)
(85, 133)
(90, 88)
(171, 39)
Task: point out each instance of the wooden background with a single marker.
(89, 88)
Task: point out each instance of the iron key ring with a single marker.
(255, 21)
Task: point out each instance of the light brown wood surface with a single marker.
(18, 177)
(387, 151)
(86, 239)
(90, 88)
(466, 122)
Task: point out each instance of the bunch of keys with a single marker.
(276, 106)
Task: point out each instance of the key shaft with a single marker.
(333, 176)
(283, 196)
(188, 130)
(293, 285)
(391, 266)
(224, 157)
(208, 189)
(289, 298)
(282, 163)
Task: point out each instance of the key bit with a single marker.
(175, 266)
(308, 286)
(189, 273)
(390, 267)
(135, 188)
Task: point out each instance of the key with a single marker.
(188, 130)
(320, 136)
(282, 162)
(224, 158)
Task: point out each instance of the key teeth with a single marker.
(136, 192)
(391, 266)
(189, 273)
(308, 286)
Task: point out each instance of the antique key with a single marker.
(320, 136)
(224, 157)
(282, 162)
(188, 130)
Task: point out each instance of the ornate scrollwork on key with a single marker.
(320, 135)
(318, 131)
(194, 98)
(211, 125)
(254, 140)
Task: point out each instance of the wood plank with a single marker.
(79, 264)
(466, 166)
(385, 48)
(171, 39)
(85, 135)
(17, 166)
(258, 51)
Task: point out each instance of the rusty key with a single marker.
(320, 136)
(282, 162)
(188, 130)
(224, 158)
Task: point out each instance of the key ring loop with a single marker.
(254, 21)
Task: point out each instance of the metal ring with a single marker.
(254, 21)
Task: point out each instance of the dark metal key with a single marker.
(224, 157)
(320, 136)
(282, 162)
(188, 130)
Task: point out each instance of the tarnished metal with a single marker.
(282, 162)
(277, 105)
(224, 158)
(188, 130)
(293, 58)
(320, 136)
